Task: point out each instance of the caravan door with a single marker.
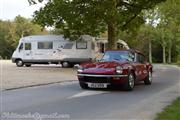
(27, 51)
(57, 49)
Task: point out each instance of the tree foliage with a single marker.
(77, 17)
(168, 29)
(12, 31)
(161, 30)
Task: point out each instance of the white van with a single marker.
(55, 49)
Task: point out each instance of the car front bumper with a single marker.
(97, 75)
(96, 78)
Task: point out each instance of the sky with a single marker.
(9, 9)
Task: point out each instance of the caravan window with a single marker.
(27, 46)
(68, 46)
(45, 45)
(81, 45)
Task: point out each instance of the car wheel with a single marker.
(83, 85)
(65, 64)
(28, 65)
(148, 79)
(129, 85)
(19, 63)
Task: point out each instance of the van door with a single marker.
(58, 47)
(27, 52)
(44, 51)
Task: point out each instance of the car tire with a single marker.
(28, 65)
(19, 63)
(129, 85)
(148, 79)
(65, 64)
(83, 85)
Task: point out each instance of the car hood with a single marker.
(101, 67)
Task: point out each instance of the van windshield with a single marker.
(20, 46)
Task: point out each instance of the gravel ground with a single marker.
(15, 77)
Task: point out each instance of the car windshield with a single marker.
(117, 56)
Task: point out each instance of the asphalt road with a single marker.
(69, 101)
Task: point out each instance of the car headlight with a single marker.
(119, 70)
(80, 69)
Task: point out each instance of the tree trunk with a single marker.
(112, 28)
(169, 54)
(150, 51)
(164, 54)
(112, 45)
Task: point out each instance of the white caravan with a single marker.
(55, 49)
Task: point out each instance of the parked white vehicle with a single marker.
(55, 49)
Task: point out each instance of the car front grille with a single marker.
(97, 79)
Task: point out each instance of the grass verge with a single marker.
(178, 64)
(171, 112)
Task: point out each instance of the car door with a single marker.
(138, 67)
(27, 51)
(143, 66)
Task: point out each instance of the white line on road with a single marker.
(87, 93)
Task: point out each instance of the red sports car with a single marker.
(116, 68)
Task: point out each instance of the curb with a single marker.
(36, 85)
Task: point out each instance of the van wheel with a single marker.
(28, 65)
(19, 63)
(65, 64)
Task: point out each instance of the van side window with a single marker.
(68, 46)
(81, 45)
(27, 46)
(45, 45)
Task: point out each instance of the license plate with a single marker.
(97, 85)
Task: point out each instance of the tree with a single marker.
(77, 17)
(170, 21)
(7, 38)
(24, 27)
(12, 31)
(146, 35)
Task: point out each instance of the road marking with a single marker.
(87, 93)
(68, 82)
